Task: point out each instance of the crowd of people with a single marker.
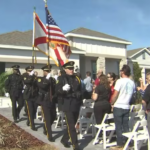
(66, 88)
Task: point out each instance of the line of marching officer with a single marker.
(44, 91)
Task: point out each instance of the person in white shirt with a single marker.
(124, 89)
(88, 85)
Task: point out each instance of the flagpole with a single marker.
(48, 57)
(33, 52)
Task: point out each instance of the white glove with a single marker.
(31, 73)
(22, 91)
(48, 76)
(66, 87)
(7, 94)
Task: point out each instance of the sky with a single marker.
(127, 19)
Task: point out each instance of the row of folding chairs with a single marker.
(138, 121)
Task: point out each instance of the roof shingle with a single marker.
(88, 32)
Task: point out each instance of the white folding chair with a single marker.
(84, 121)
(134, 117)
(39, 113)
(137, 107)
(105, 127)
(60, 119)
(138, 135)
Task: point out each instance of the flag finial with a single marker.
(45, 2)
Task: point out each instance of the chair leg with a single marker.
(56, 125)
(148, 144)
(127, 144)
(104, 138)
(110, 136)
(97, 134)
(135, 145)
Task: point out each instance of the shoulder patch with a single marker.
(39, 80)
(57, 81)
(25, 78)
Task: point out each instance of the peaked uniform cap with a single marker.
(46, 68)
(69, 64)
(30, 68)
(15, 67)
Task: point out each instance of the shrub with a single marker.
(3, 77)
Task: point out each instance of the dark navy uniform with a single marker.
(14, 87)
(72, 101)
(30, 95)
(45, 99)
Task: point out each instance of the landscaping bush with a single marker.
(3, 77)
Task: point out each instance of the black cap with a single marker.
(69, 64)
(15, 67)
(29, 68)
(46, 68)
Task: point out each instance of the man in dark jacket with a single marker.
(69, 87)
(14, 87)
(30, 95)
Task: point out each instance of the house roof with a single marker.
(88, 32)
(130, 53)
(17, 38)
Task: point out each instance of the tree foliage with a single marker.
(3, 77)
(136, 71)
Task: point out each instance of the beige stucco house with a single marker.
(91, 51)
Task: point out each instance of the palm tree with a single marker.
(3, 77)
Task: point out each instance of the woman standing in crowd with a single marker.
(111, 79)
(101, 97)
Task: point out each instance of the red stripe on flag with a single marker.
(53, 28)
(56, 34)
(40, 40)
(58, 56)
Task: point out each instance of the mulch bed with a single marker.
(12, 137)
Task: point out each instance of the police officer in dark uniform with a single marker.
(14, 87)
(46, 92)
(30, 95)
(69, 87)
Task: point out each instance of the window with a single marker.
(93, 64)
(143, 55)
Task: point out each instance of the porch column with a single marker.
(143, 74)
(122, 62)
(100, 64)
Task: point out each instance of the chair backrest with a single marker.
(139, 124)
(84, 111)
(107, 117)
(137, 107)
(137, 114)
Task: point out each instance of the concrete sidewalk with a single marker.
(85, 144)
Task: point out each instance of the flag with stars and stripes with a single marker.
(58, 52)
(55, 35)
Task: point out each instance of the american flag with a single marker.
(55, 35)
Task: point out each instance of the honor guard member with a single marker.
(30, 95)
(14, 87)
(69, 87)
(46, 92)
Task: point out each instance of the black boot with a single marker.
(28, 123)
(34, 129)
(65, 144)
(15, 121)
(51, 139)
